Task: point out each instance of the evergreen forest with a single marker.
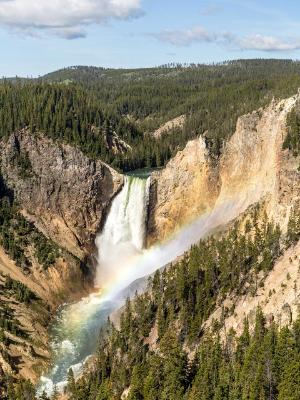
(90, 107)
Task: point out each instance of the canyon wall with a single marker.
(64, 193)
(277, 295)
(252, 167)
(186, 188)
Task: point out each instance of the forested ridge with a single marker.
(64, 113)
(88, 106)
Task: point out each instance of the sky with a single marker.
(40, 36)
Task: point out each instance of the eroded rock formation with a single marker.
(187, 187)
(64, 192)
(252, 167)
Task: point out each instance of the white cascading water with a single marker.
(77, 326)
(123, 235)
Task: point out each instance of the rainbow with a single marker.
(76, 330)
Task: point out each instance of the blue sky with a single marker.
(38, 36)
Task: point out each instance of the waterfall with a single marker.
(75, 332)
(123, 235)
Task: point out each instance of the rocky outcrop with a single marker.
(64, 280)
(113, 141)
(253, 161)
(25, 356)
(187, 187)
(62, 191)
(277, 296)
(177, 122)
(252, 167)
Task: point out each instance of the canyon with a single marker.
(69, 197)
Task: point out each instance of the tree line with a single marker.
(88, 106)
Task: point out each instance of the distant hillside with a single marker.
(211, 96)
(112, 113)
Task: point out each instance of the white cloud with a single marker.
(189, 36)
(186, 37)
(65, 18)
(268, 43)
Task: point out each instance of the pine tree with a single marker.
(289, 386)
(71, 386)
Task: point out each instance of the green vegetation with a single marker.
(23, 163)
(211, 96)
(98, 104)
(179, 300)
(46, 251)
(65, 113)
(293, 231)
(261, 365)
(10, 390)
(19, 291)
(292, 140)
(8, 323)
(11, 233)
(17, 234)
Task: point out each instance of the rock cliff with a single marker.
(277, 296)
(251, 167)
(62, 191)
(187, 187)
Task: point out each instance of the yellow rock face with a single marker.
(187, 187)
(249, 170)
